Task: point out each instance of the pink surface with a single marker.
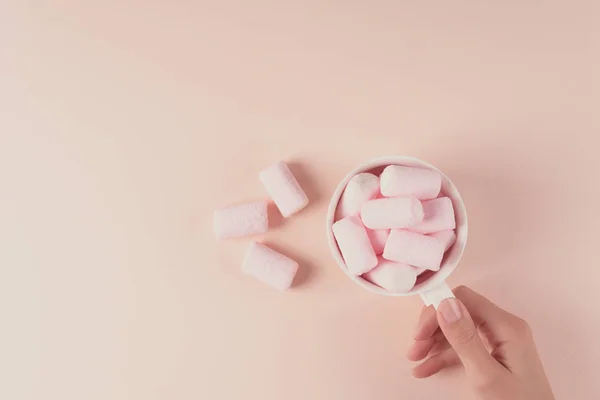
(124, 125)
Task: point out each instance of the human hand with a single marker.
(495, 347)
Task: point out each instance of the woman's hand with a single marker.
(495, 347)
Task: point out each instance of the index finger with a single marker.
(484, 312)
(427, 324)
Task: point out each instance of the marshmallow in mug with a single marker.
(414, 249)
(423, 182)
(355, 246)
(447, 237)
(400, 180)
(360, 189)
(438, 216)
(393, 276)
(378, 238)
(392, 213)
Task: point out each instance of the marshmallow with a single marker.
(439, 216)
(283, 188)
(447, 237)
(269, 266)
(392, 213)
(393, 276)
(360, 189)
(241, 220)
(355, 246)
(418, 270)
(378, 237)
(414, 249)
(397, 180)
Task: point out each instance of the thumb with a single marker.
(460, 331)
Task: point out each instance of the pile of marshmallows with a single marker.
(394, 227)
(262, 262)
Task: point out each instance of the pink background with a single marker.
(123, 124)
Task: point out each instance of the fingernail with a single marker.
(450, 310)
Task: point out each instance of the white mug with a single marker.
(433, 289)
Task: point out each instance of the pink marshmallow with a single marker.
(418, 270)
(360, 189)
(414, 249)
(397, 180)
(269, 266)
(393, 276)
(378, 238)
(439, 216)
(447, 237)
(241, 220)
(392, 213)
(355, 246)
(283, 188)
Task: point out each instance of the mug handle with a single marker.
(436, 295)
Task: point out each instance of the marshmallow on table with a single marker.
(241, 220)
(355, 246)
(397, 180)
(360, 189)
(414, 249)
(393, 276)
(378, 237)
(447, 237)
(392, 213)
(439, 216)
(283, 188)
(269, 266)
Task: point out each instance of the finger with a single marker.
(435, 364)
(440, 347)
(496, 322)
(427, 324)
(461, 333)
(420, 349)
